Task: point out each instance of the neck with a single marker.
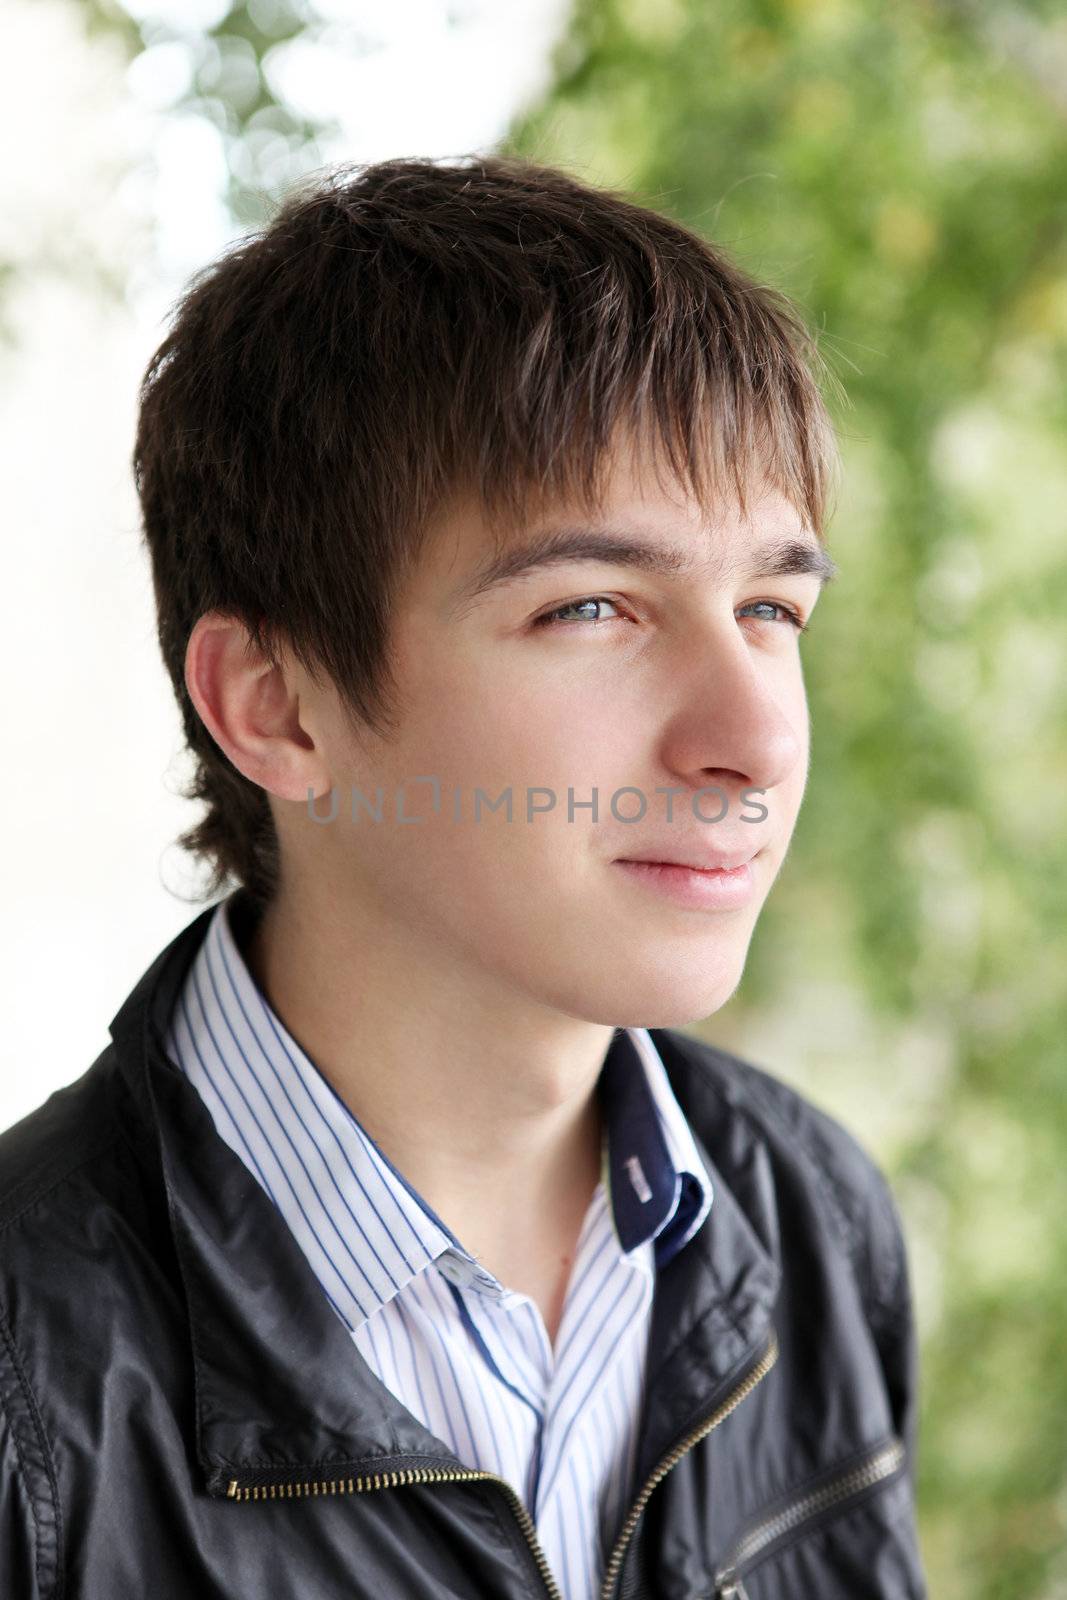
(484, 1101)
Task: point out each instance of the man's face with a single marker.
(688, 681)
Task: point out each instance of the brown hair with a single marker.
(405, 331)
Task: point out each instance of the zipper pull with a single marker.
(730, 1587)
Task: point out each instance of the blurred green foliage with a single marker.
(901, 172)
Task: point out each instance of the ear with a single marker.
(252, 709)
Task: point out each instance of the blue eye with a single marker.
(552, 617)
(787, 611)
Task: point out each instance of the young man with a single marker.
(400, 1243)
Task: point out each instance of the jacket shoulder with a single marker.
(75, 1124)
(848, 1184)
(43, 1222)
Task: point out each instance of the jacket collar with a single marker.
(279, 1383)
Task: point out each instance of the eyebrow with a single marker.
(777, 558)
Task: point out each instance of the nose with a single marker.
(741, 718)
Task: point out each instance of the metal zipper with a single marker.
(732, 1589)
(885, 1461)
(760, 1370)
(389, 1480)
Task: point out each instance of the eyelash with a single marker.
(548, 618)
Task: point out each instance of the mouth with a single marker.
(726, 884)
(724, 862)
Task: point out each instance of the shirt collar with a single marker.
(230, 1042)
(657, 1185)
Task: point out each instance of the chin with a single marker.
(660, 999)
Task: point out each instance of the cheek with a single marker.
(519, 727)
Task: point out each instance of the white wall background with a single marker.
(102, 181)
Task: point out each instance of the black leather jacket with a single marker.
(184, 1417)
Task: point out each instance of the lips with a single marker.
(696, 860)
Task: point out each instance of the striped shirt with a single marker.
(467, 1356)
